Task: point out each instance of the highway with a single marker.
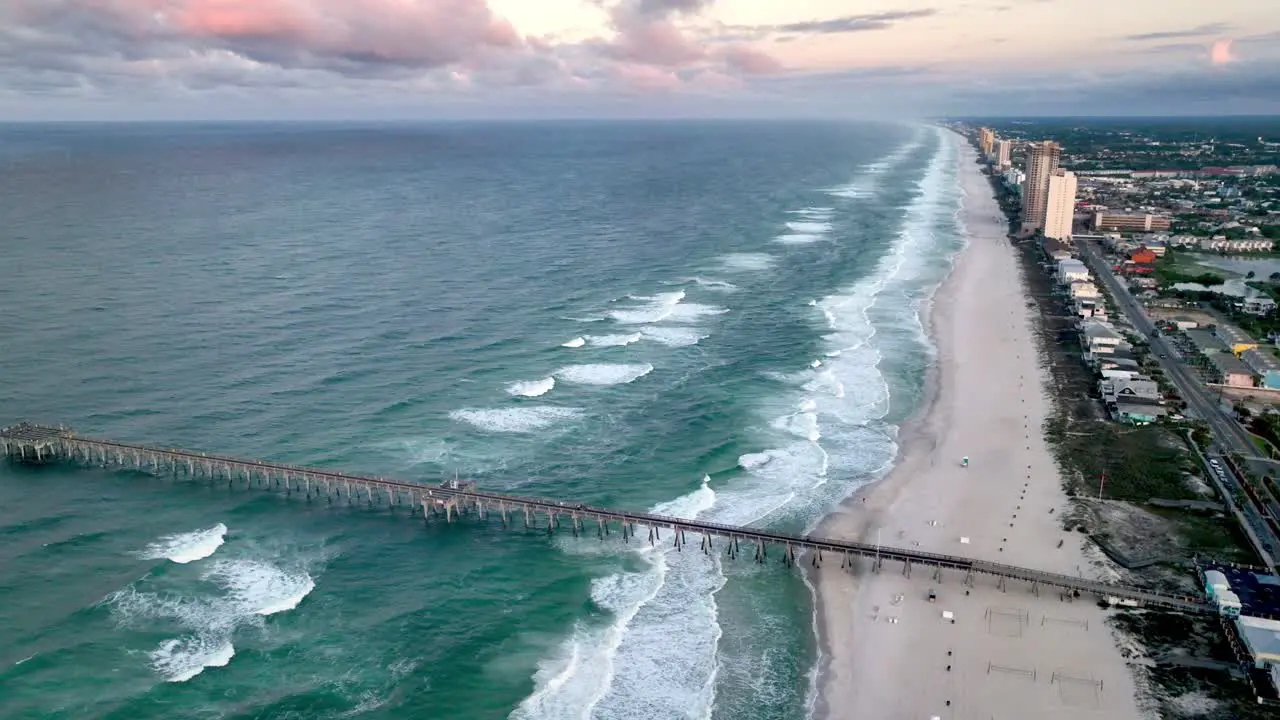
(1227, 433)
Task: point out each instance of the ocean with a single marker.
(704, 319)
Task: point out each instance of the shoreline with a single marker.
(911, 432)
(925, 489)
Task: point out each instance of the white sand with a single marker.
(1011, 654)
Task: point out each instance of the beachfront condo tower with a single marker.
(1060, 208)
(1042, 160)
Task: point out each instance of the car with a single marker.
(1163, 355)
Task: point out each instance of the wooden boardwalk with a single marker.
(41, 444)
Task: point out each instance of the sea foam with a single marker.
(613, 340)
(515, 420)
(603, 373)
(250, 589)
(531, 388)
(747, 261)
(188, 547)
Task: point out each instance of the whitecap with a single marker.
(692, 312)
(811, 228)
(575, 343)
(651, 309)
(712, 284)
(261, 588)
(188, 547)
(674, 336)
(532, 388)
(747, 261)
(613, 340)
(603, 373)
(181, 659)
(751, 461)
(515, 420)
(799, 239)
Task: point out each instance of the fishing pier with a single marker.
(453, 499)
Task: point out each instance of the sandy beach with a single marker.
(1007, 653)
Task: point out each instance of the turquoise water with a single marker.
(710, 319)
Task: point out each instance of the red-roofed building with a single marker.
(1142, 256)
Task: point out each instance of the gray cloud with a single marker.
(851, 23)
(1201, 31)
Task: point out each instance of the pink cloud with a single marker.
(651, 40)
(1221, 54)
(646, 77)
(750, 61)
(295, 33)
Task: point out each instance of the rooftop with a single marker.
(1206, 341)
(1262, 636)
(1228, 363)
(1259, 593)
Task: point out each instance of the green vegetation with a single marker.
(1267, 428)
(1181, 267)
(1139, 463)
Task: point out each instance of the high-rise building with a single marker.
(1042, 160)
(986, 139)
(1004, 154)
(1060, 208)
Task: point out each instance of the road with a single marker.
(1227, 433)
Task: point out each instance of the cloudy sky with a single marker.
(403, 59)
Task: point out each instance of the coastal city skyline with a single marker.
(379, 59)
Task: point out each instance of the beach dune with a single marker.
(982, 652)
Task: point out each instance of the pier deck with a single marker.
(43, 444)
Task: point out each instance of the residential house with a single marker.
(1121, 374)
(1115, 389)
(1072, 269)
(1057, 250)
(1259, 305)
(1082, 290)
(1138, 411)
(1100, 339)
(1115, 362)
(1220, 243)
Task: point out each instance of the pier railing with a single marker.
(41, 444)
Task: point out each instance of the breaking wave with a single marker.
(183, 548)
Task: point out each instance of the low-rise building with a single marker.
(1258, 305)
(1234, 372)
(1116, 389)
(1083, 289)
(1206, 342)
(1099, 338)
(1126, 222)
(1139, 411)
(1220, 243)
(1072, 269)
(1261, 637)
(1235, 338)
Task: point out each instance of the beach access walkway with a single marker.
(40, 444)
